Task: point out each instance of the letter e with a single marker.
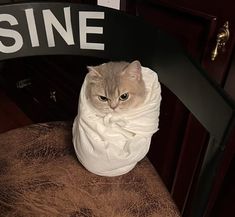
(84, 29)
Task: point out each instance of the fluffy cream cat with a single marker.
(118, 111)
(115, 86)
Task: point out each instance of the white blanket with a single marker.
(112, 144)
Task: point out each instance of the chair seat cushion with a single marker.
(41, 176)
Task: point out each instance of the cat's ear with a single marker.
(93, 72)
(133, 70)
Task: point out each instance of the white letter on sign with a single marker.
(10, 34)
(84, 29)
(32, 27)
(50, 20)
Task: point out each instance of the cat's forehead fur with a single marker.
(111, 69)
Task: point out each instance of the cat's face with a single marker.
(115, 86)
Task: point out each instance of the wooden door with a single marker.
(196, 25)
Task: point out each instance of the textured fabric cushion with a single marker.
(41, 176)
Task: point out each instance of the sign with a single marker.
(54, 28)
(50, 26)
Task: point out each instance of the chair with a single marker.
(40, 174)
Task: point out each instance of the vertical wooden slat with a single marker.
(166, 143)
(193, 144)
(228, 156)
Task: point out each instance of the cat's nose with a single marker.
(113, 105)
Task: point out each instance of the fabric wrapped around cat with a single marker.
(112, 144)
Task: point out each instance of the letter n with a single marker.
(51, 21)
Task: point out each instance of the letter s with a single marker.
(10, 34)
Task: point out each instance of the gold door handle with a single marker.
(221, 40)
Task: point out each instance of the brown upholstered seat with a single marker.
(41, 176)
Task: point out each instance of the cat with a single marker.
(118, 111)
(115, 86)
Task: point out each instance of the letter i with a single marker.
(32, 27)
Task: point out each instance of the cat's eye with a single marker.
(103, 98)
(124, 97)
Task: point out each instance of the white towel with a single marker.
(112, 144)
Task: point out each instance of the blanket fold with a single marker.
(112, 144)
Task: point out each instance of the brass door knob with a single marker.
(221, 40)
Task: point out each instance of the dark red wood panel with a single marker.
(230, 82)
(11, 115)
(192, 150)
(223, 186)
(166, 143)
(192, 28)
(224, 205)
